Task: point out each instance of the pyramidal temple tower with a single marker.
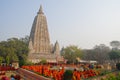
(39, 41)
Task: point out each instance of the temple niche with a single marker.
(39, 42)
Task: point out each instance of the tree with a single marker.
(12, 54)
(14, 49)
(88, 54)
(25, 40)
(115, 55)
(115, 45)
(6, 50)
(71, 53)
(1, 59)
(8, 59)
(43, 61)
(101, 53)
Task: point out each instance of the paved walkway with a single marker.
(28, 75)
(24, 74)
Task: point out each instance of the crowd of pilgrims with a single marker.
(56, 72)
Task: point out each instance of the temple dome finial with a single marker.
(40, 10)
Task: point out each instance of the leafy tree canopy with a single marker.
(14, 49)
(114, 55)
(71, 53)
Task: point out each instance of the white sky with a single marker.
(84, 23)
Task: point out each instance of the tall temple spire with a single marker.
(39, 34)
(39, 42)
(40, 10)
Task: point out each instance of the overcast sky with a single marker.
(84, 23)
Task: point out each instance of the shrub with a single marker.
(43, 61)
(118, 66)
(112, 77)
(118, 76)
(104, 72)
(68, 75)
(28, 63)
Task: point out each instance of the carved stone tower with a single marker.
(39, 42)
(39, 37)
